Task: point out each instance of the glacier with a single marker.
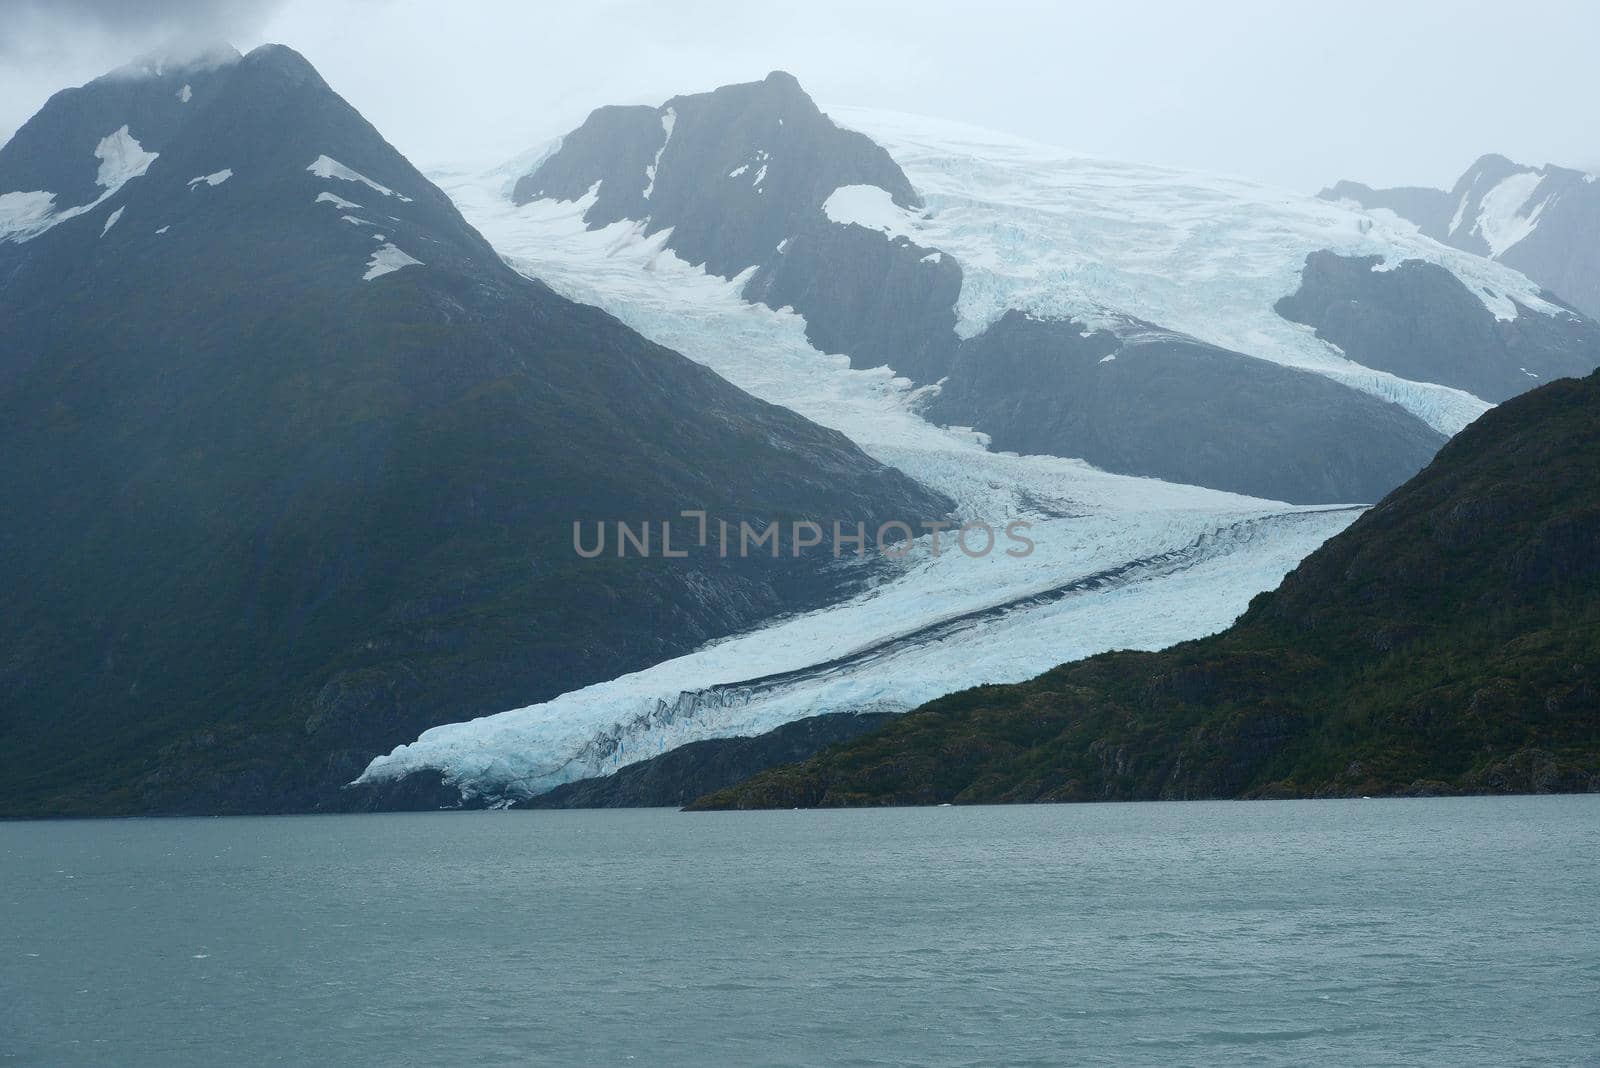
(1120, 562)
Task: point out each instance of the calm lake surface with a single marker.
(1353, 932)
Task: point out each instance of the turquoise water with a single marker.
(1351, 932)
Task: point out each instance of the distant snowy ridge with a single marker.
(1064, 236)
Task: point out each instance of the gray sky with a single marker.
(1298, 94)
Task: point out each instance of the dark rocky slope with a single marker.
(1447, 642)
(1419, 321)
(267, 517)
(1150, 402)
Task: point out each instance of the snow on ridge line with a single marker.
(328, 167)
(388, 259)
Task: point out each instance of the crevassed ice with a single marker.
(1119, 562)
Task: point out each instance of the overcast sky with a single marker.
(1297, 94)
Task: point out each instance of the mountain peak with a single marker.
(782, 79)
(734, 172)
(1493, 160)
(284, 61)
(177, 59)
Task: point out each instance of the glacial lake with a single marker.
(1352, 932)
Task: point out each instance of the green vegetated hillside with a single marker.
(1447, 642)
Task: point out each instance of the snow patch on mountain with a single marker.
(122, 158)
(211, 179)
(336, 201)
(868, 206)
(1503, 215)
(327, 167)
(388, 259)
(669, 119)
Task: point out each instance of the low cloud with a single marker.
(46, 45)
(40, 30)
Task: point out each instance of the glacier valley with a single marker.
(1120, 562)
